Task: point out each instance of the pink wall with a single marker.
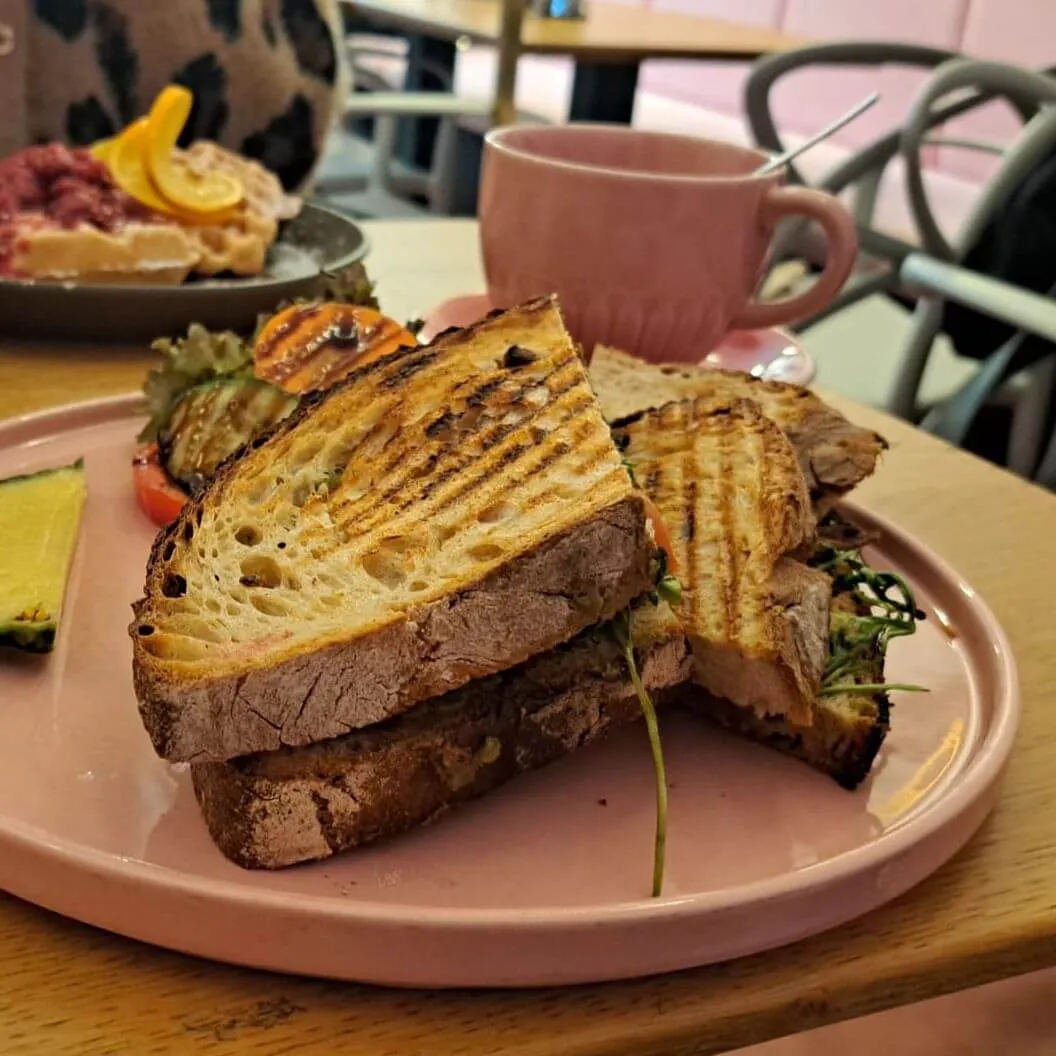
(1022, 31)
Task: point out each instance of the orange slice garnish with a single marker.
(126, 159)
(101, 149)
(197, 193)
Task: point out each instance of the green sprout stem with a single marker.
(622, 626)
(840, 689)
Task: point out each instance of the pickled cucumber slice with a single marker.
(40, 518)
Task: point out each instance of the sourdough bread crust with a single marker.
(276, 809)
(530, 605)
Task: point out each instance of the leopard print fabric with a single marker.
(268, 76)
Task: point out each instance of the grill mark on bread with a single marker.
(690, 516)
(415, 362)
(453, 448)
(477, 397)
(439, 424)
(503, 461)
(467, 462)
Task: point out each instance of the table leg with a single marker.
(604, 92)
(414, 145)
(467, 183)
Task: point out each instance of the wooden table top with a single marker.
(989, 913)
(611, 32)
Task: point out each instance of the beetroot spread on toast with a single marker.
(55, 185)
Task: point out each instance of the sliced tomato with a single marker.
(159, 497)
(661, 535)
(313, 346)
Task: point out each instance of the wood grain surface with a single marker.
(69, 990)
(609, 33)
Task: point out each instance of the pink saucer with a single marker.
(771, 353)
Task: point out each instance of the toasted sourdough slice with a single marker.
(848, 729)
(833, 453)
(294, 805)
(444, 513)
(727, 485)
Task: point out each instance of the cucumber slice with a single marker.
(214, 420)
(40, 517)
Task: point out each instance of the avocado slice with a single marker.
(40, 517)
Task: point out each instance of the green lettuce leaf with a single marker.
(188, 361)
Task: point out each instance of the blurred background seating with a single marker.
(936, 194)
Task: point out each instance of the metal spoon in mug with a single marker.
(783, 159)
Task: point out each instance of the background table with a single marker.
(608, 45)
(990, 913)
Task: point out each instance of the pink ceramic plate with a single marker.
(771, 353)
(543, 882)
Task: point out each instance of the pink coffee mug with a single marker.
(654, 243)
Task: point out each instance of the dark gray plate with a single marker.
(317, 240)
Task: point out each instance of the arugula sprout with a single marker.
(670, 589)
(621, 627)
(857, 638)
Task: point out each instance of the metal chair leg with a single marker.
(1046, 475)
(444, 174)
(1030, 419)
(385, 129)
(927, 322)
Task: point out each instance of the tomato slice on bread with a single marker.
(661, 535)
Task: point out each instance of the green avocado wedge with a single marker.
(40, 517)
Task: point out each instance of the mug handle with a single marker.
(842, 239)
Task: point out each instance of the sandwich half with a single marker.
(788, 630)
(834, 454)
(443, 514)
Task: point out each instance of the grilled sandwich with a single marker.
(444, 514)
(834, 454)
(754, 624)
